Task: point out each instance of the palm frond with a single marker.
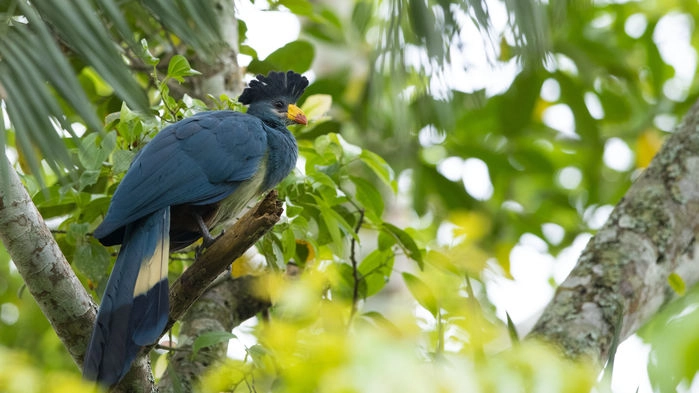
(29, 101)
(78, 25)
(194, 22)
(38, 77)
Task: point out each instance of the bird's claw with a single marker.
(206, 241)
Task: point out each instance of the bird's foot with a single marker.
(207, 239)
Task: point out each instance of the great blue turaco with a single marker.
(193, 176)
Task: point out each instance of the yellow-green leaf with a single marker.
(422, 293)
(677, 283)
(317, 106)
(179, 68)
(647, 144)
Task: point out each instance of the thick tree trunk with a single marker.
(48, 276)
(46, 273)
(621, 278)
(223, 75)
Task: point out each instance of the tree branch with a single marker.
(226, 249)
(621, 278)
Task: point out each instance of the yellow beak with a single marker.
(295, 114)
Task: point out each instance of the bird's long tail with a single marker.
(134, 309)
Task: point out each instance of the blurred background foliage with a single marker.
(455, 132)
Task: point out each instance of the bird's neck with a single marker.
(282, 155)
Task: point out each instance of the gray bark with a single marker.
(223, 75)
(621, 278)
(48, 276)
(46, 273)
(224, 306)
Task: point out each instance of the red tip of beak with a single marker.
(301, 119)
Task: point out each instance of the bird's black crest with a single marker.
(275, 84)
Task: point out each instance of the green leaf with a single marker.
(122, 160)
(76, 232)
(209, 339)
(96, 150)
(130, 130)
(677, 283)
(369, 197)
(179, 67)
(673, 350)
(298, 7)
(361, 15)
(30, 102)
(343, 283)
(422, 293)
(296, 55)
(320, 178)
(52, 202)
(375, 269)
(386, 240)
(317, 106)
(289, 245)
(270, 247)
(380, 168)
(318, 129)
(92, 259)
(442, 261)
(194, 22)
(406, 242)
(377, 319)
(88, 178)
(146, 55)
(335, 223)
(84, 32)
(95, 208)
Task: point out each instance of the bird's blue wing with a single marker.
(199, 160)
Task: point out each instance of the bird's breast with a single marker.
(233, 205)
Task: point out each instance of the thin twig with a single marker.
(355, 271)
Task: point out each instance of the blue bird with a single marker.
(194, 175)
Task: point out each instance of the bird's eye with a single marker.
(278, 104)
